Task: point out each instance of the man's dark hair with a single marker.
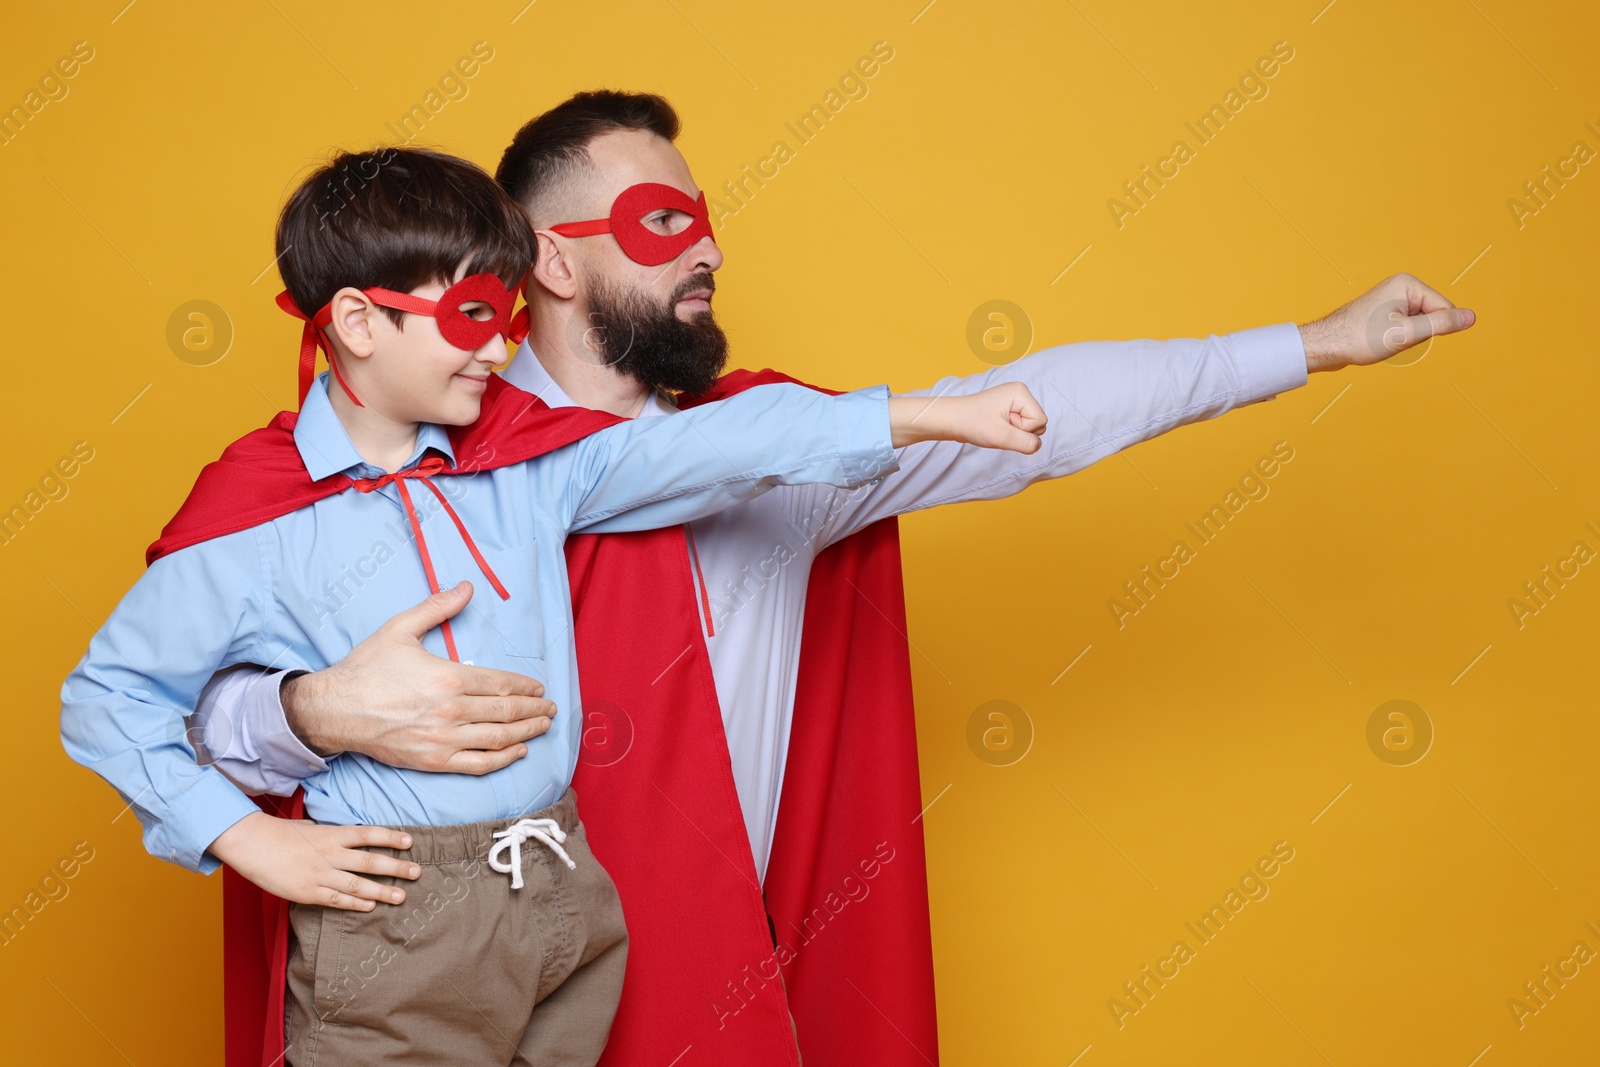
(554, 147)
(397, 218)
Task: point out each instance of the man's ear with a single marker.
(553, 269)
(352, 323)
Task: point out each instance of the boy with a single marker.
(413, 269)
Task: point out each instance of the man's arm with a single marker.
(419, 711)
(1105, 396)
(267, 731)
(248, 743)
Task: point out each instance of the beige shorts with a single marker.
(468, 969)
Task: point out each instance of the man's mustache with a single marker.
(695, 283)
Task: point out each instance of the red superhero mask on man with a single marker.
(626, 223)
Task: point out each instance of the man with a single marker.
(809, 723)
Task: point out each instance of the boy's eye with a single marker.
(478, 311)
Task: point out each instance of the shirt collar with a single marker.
(531, 377)
(325, 446)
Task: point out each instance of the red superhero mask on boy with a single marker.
(455, 325)
(640, 243)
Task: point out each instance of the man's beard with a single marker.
(650, 343)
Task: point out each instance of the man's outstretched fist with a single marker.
(1398, 313)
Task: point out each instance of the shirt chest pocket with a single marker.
(525, 660)
(519, 623)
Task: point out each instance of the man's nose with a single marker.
(703, 255)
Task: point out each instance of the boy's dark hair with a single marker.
(553, 147)
(397, 218)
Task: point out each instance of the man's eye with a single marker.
(669, 222)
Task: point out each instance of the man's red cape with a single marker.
(846, 884)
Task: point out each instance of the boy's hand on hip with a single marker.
(1005, 416)
(313, 864)
(395, 701)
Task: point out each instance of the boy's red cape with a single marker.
(846, 884)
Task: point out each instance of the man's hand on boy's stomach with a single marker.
(393, 700)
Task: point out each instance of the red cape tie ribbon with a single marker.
(425, 471)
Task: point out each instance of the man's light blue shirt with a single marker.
(304, 588)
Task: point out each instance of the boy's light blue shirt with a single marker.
(303, 589)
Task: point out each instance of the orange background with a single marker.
(1229, 714)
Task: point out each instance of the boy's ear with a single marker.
(352, 323)
(553, 270)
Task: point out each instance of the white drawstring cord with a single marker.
(547, 831)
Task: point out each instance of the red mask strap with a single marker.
(402, 301)
(521, 323)
(311, 339)
(582, 229)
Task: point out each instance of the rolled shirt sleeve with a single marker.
(240, 728)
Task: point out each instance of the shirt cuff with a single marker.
(247, 735)
(278, 745)
(196, 818)
(866, 444)
(1270, 360)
